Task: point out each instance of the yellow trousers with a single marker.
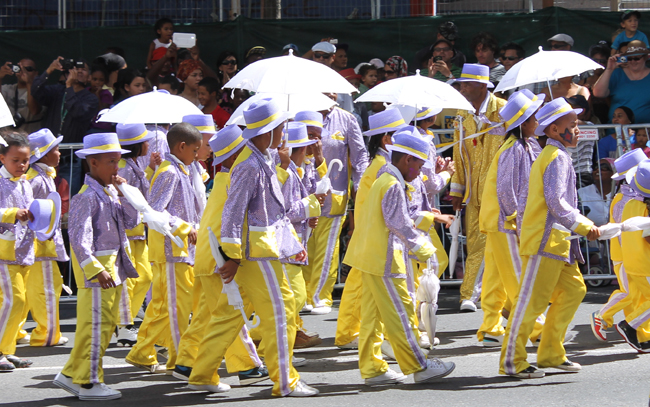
(241, 354)
(622, 300)
(293, 273)
(138, 287)
(12, 304)
(542, 279)
(97, 310)
(264, 285)
(475, 251)
(167, 316)
(640, 293)
(323, 249)
(501, 284)
(387, 300)
(44, 284)
(348, 322)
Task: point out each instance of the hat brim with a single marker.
(302, 144)
(539, 131)
(629, 175)
(374, 132)
(91, 151)
(35, 158)
(489, 84)
(150, 135)
(430, 114)
(56, 198)
(527, 114)
(391, 148)
(250, 133)
(218, 160)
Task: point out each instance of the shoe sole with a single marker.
(308, 345)
(151, 369)
(348, 347)
(387, 382)
(593, 329)
(100, 398)
(563, 368)
(180, 376)
(66, 388)
(625, 337)
(198, 387)
(249, 381)
(491, 344)
(125, 343)
(440, 376)
(528, 375)
(467, 310)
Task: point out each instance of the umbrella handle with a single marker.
(250, 325)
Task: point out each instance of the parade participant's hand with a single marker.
(117, 180)
(321, 198)
(317, 149)
(302, 256)
(55, 66)
(6, 70)
(446, 220)
(457, 202)
(440, 164)
(105, 280)
(450, 166)
(191, 237)
(594, 233)
(24, 215)
(436, 211)
(228, 270)
(285, 158)
(155, 160)
(312, 222)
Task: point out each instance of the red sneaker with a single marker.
(598, 327)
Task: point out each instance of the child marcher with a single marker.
(204, 123)
(385, 227)
(101, 261)
(549, 262)
(168, 313)
(382, 127)
(620, 299)
(314, 166)
(164, 29)
(636, 257)
(303, 210)
(136, 138)
(17, 245)
(255, 236)
(44, 282)
(241, 356)
(630, 25)
(504, 199)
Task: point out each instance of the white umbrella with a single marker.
(314, 102)
(417, 91)
(289, 75)
(546, 66)
(427, 294)
(454, 231)
(151, 107)
(6, 119)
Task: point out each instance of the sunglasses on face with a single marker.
(558, 46)
(605, 167)
(229, 62)
(447, 49)
(634, 58)
(601, 61)
(509, 58)
(319, 55)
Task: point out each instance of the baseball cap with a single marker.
(325, 47)
(377, 62)
(562, 38)
(629, 13)
(294, 47)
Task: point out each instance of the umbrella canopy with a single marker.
(151, 107)
(289, 75)
(5, 114)
(315, 102)
(546, 66)
(417, 91)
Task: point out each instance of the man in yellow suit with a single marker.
(473, 158)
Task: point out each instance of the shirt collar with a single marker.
(484, 105)
(179, 162)
(555, 143)
(5, 174)
(397, 174)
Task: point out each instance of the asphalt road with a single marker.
(613, 373)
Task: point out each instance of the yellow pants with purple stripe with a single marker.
(323, 248)
(12, 305)
(138, 287)
(44, 284)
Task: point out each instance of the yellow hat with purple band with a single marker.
(476, 73)
(226, 142)
(552, 111)
(408, 140)
(100, 143)
(135, 133)
(41, 143)
(384, 122)
(204, 123)
(47, 213)
(520, 107)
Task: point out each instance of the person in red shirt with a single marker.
(208, 90)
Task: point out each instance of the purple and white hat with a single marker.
(135, 133)
(226, 142)
(552, 111)
(204, 123)
(298, 135)
(47, 213)
(41, 143)
(641, 181)
(476, 73)
(627, 162)
(519, 108)
(310, 118)
(384, 122)
(408, 140)
(263, 116)
(427, 112)
(100, 143)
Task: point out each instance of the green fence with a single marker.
(366, 38)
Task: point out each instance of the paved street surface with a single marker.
(613, 374)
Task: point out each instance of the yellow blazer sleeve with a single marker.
(9, 215)
(322, 168)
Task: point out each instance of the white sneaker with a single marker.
(24, 340)
(467, 306)
(62, 341)
(140, 313)
(66, 384)
(354, 344)
(567, 366)
(157, 368)
(303, 390)
(212, 388)
(99, 391)
(127, 336)
(387, 350)
(424, 341)
(321, 310)
(436, 369)
(492, 341)
(297, 362)
(390, 377)
(307, 308)
(436, 341)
